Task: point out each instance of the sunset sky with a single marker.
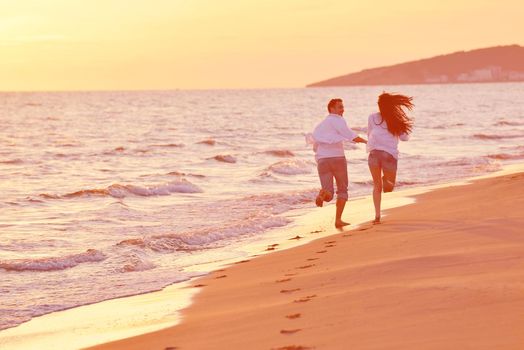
(199, 44)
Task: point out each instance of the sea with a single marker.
(110, 194)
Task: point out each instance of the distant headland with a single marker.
(493, 64)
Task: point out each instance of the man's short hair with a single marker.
(333, 102)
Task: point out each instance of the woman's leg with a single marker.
(376, 173)
(389, 180)
(389, 167)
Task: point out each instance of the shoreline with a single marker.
(313, 223)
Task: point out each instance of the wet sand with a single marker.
(444, 273)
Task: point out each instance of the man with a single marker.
(328, 138)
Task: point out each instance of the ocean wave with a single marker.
(397, 183)
(266, 209)
(277, 203)
(209, 142)
(116, 150)
(137, 263)
(266, 177)
(225, 158)
(121, 191)
(479, 164)
(291, 167)
(463, 162)
(495, 136)
(514, 148)
(206, 238)
(506, 156)
(280, 153)
(180, 173)
(169, 145)
(53, 263)
(447, 126)
(503, 122)
(12, 161)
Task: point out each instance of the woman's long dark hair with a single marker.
(390, 106)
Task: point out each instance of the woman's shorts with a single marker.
(388, 166)
(383, 160)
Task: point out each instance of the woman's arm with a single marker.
(369, 125)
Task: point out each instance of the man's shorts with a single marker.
(334, 168)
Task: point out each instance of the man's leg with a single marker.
(340, 171)
(341, 203)
(326, 182)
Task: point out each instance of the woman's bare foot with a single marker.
(340, 224)
(377, 220)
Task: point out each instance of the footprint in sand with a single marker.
(290, 274)
(171, 348)
(317, 231)
(330, 242)
(305, 299)
(347, 235)
(293, 347)
(199, 285)
(221, 276)
(242, 261)
(305, 266)
(293, 316)
(329, 246)
(283, 280)
(289, 331)
(289, 290)
(297, 237)
(321, 251)
(311, 259)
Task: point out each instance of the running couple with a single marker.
(385, 129)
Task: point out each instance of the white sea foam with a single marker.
(292, 167)
(121, 191)
(52, 263)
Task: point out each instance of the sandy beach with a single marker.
(205, 175)
(443, 273)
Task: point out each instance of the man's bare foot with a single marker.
(340, 224)
(319, 201)
(323, 196)
(377, 220)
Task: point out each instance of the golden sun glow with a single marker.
(166, 44)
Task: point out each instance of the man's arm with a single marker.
(347, 133)
(331, 139)
(360, 139)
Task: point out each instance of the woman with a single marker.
(385, 129)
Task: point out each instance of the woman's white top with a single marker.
(379, 137)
